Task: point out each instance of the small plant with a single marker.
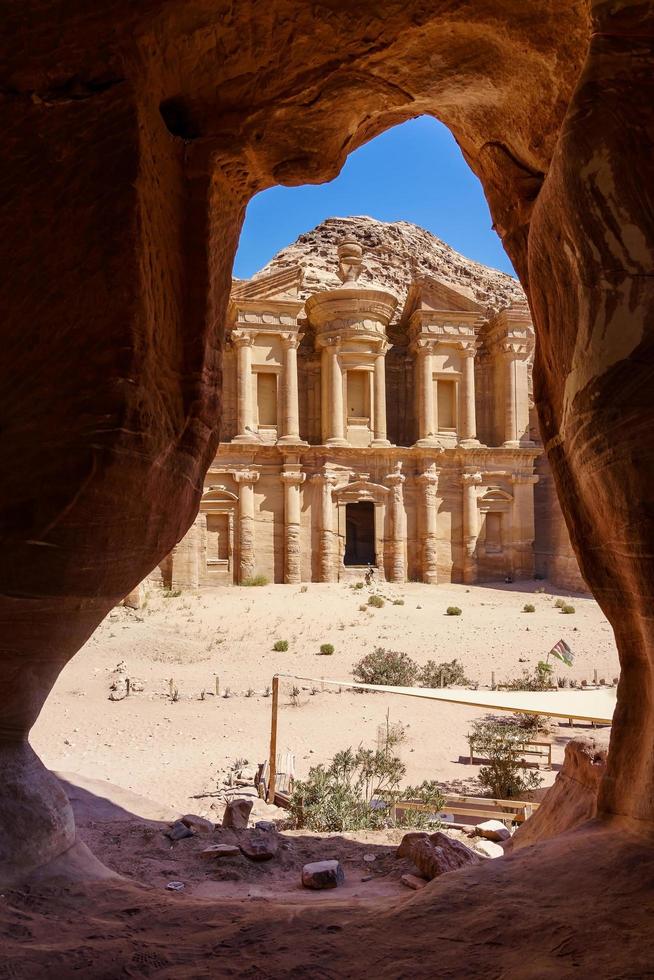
(280, 646)
(254, 580)
(326, 649)
(539, 679)
(357, 585)
(227, 692)
(363, 608)
(529, 607)
(250, 692)
(175, 694)
(295, 696)
(388, 667)
(266, 692)
(559, 604)
(444, 674)
(305, 588)
(376, 600)
(505, 776)
(171, 593)
(398, 602)
(567, 609)
(454, 611)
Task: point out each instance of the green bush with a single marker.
(339, 797)
(280, 646)
(358, 585)
(376, 600)
(389, 667)
(567, 609)
(559, 604)
(444, 674)
(398, 602)
(171, 593)
(505, 777)
(326, 649)
(538, 679)
(454, 611)
(529, 607)
(254, 580)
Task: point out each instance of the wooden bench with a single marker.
(508, 811)
(542, 750)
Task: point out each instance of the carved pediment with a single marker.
(427, 295)
(284, 285)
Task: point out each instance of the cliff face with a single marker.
(395, 253)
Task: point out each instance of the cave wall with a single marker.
(134, 136)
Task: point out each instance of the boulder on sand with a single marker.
(179, 830)
(493, 830)
(259, 847)
(199, 824)
(322, 874)
(237, 814)
(436, 854)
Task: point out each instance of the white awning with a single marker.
(597, 704)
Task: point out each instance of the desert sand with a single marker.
(174, 752)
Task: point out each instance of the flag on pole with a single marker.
(563, 652)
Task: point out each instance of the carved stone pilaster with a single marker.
(246, 543)
(470, 482)
(429, 482)
(396, 482)
(328, 553)
(292, 481)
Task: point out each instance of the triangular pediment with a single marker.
(431, 295)
(281, 287)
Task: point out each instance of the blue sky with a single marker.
(414, 172)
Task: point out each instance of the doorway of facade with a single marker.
(360, 533)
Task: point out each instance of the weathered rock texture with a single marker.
(133, 136)
(396, 253)
(436, 854)
(571, 800)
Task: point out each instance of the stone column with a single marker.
(426, 423)
(328, 571)
(243, 342)
(511, 439)
(429, 481)
(292, 480)
(398, 565)
(246, 554)
(470, 525)
(468, 424)
(379, 408)
(522, 524)
(335, 394)
(290, 408)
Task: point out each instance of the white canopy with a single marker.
(596, 705)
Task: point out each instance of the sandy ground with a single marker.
(175, 751)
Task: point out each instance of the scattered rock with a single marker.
(493, 830)
(367, 878)
(266, 825)
(199, 824)
(322, 874)
(220, 850)
(259, 848)
(413, 881)
(369, 858)
(175, 886)
(179, 830)
(489, 848)
(237, 814)
(436, 854)
(118, 690)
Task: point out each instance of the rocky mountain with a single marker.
(395, 253)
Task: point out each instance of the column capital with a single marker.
(382, 348)
(524, 478)
(291, 340)
(468, 350)
(242, 338)
(325, 479)
(245, 476)
(292, 477)
(424, 347)
(396, 477)
(471, 479)
(332, 342)
(514, 351)
(430, 476)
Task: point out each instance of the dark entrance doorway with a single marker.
(360, 533)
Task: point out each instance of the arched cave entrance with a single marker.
(154, 138)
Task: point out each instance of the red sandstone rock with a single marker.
(436, 854)
(571, 800)
(237, 814)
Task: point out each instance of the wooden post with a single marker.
(595, 676)
(492, 680)
(272, 763)
(171, 686)
(217, 686)
(127, 686)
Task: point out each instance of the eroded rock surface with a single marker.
(572, 799)
(436, 854)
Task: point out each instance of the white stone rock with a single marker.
(322, 874)
(492, 830)
(489, 848)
